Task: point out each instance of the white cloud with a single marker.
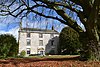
(13, 31)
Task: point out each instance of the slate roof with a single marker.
(38, 30)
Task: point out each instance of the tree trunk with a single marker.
(90, 46)
(90, 39)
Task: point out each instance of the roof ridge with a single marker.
(38, 30)
(33, 29)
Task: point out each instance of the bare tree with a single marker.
(88, 12)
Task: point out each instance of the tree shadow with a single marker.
(16, 61)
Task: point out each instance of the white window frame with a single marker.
(28, 42)
(40, 42)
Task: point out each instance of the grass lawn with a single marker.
(54, 56)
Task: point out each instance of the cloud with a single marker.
(13, 31)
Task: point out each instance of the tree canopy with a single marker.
(8, 46)
(69, 41)
(66, 12)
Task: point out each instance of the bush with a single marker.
(34, 55)
(52, 52)
(23, 53)
(46, 53)
(2, 57)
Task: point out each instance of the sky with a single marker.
(10, 25)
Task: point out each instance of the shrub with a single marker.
(34, 55)
(23, 53)
(52, 52)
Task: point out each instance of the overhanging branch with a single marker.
(56, 18)
(59, 4)
(73, 25)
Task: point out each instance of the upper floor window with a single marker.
(40, 42)
(51, 35)
(40, 35)
(28, 34)
(28, 42)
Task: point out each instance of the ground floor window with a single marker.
(28, 50)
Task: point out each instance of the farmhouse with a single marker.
(38, 41)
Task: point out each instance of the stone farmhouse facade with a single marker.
(38, 41)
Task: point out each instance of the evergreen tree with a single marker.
(8, 45)
(69, 41)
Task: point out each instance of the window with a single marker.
(28, 42)
(28, 34)
(41, 52)
(40, 35)
(52, 42)
(28, 50)
(51, 35)
(40, 42)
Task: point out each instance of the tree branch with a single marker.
(56, 18)
(59, 4)
(78, 2)
(69, 21)
(11, 3)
